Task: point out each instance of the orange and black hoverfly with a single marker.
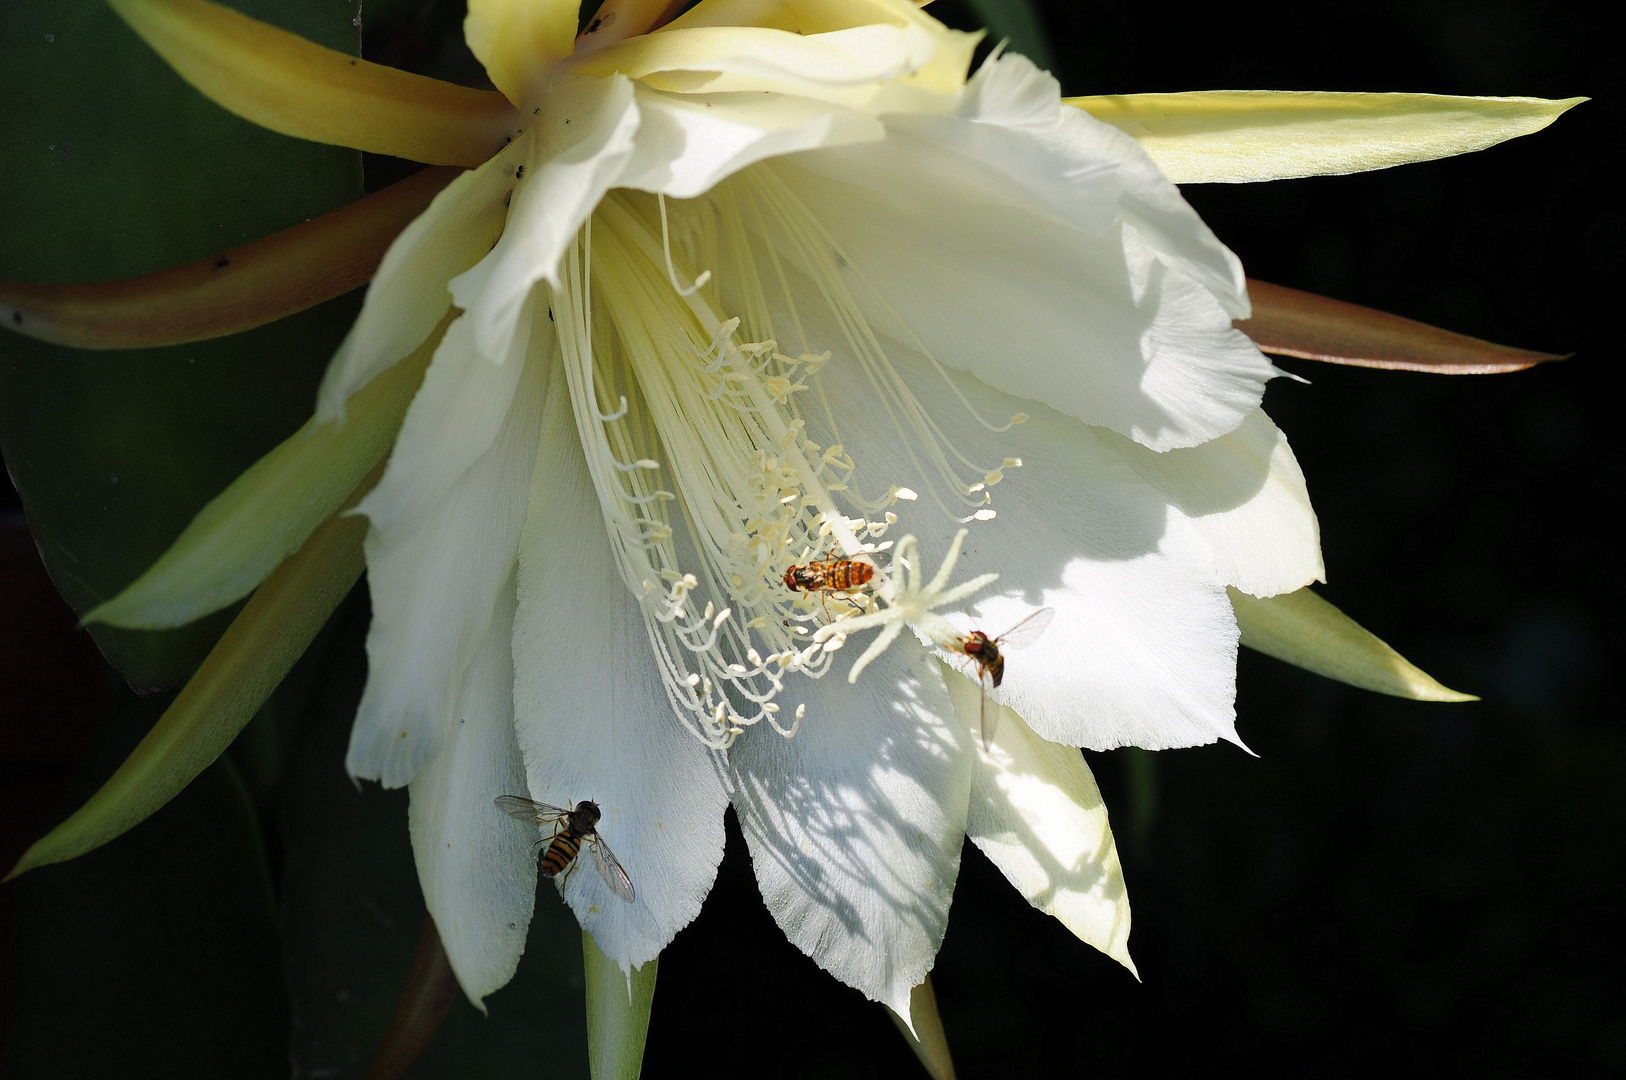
(828, 576)
(987, 657)
(571, 829)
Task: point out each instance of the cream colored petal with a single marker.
(1239, 136)
(436, 577)
(580, 140)
(409, 293)
(519, 40)
(856, 824)
(477, 872)
(1306, 631)
(870, 66)
(1038, 816)
(1245, 493)
(688, 142)
(592, 715)
(943, 74)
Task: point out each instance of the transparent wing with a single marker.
(990, 710)
(539, 813)
(1027, 631)
(609, 868)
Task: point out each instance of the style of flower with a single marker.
(760, 287)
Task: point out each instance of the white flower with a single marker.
(729, 300)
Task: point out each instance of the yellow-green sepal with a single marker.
(1308, 632)
(1241, 136)
(239, 674)
(283, 82)
(268, 512)
(618, 1005)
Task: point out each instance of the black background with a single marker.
(1390, 888)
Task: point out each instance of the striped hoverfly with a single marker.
(986, 661)
(571, 829)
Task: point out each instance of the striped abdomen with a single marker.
(828, 575)
(560, 853)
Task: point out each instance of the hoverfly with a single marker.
(571, 829)
(827, 576)
(987, 657)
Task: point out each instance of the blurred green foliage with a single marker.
(111, 166)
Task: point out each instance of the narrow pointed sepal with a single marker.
(1242, 136)
(231, 292)
(1308, 632)
(250, 659)
(923, 1031)
(268, 512)
(618, 1004)
(1288, 322)
(283, 82)
(426, 997)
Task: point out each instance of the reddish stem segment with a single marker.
(234, 291)
(1293, 323)
(425, 999)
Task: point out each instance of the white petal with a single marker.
(592, 714)
(477, 869)
(453, 421)
(1013, 97)
(916, 65)
(1038, 816)
(1245, 493)
(1142, 651)
(581, 138)
(688, 143)
(856, 823)
(1053, 263)
(409, 292)
(435, 578)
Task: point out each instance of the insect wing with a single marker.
(990, 710)
(537, 813)
(609, 868)
(1027, 631)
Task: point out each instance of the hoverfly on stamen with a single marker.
(571, 829)
(829, 576)
(987, 659)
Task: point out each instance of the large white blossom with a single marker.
(774, 283)
(735, 321)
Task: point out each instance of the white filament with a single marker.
(706, 421)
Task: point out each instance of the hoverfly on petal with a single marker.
(571, 829)
(986, 656)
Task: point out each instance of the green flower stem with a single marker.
(261, 645)
(1306, 631)
(617, 1013)
(927, 1040)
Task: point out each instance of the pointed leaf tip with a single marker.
(618, 1007)
(1304, 630)
(228, 293)
(426, 997)
(248, 662)
(1289, 322)
(1245, 136)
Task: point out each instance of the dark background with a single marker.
(1390, 888)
